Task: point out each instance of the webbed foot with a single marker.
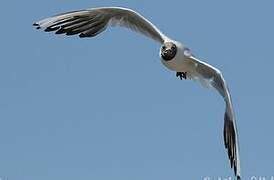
(181, 75)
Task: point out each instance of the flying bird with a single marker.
(173, 54)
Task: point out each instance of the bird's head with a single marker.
(168, 51)
(174, 55)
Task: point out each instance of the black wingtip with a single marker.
(49, 29)
(36, 25)
(82, 35)
(235, 168)
(238, 178)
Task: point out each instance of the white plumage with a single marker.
(174, 55)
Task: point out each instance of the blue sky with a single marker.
(69, 110)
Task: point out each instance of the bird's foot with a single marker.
(181, 75)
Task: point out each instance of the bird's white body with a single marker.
(183, 62)
(179, 62)
(174, 55)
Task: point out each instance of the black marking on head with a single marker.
(168, 51)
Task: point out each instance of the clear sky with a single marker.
(107, 109)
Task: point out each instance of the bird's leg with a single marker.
(181, 75)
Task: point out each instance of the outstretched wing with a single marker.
(212, 77)
(91, 22)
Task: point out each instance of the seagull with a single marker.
(173, 55)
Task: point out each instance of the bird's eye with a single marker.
(187, 52)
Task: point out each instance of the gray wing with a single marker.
(91, 22)
(212, 77)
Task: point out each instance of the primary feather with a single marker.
(212, 77)
(91, 22)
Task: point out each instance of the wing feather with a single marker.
(91, 22)
(212, 77)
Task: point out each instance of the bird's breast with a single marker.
(178, 64)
